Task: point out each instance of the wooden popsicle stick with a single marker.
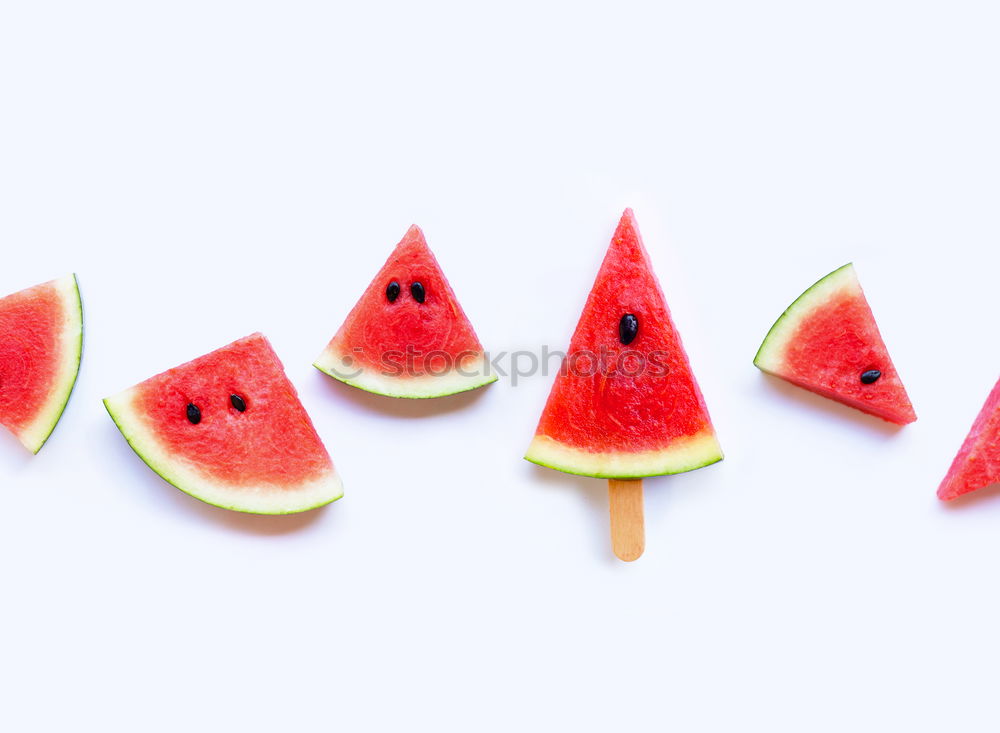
(628, 529)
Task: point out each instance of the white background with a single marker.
(210, 169)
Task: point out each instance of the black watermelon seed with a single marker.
(871, 376)
(628, 329)
(392, 292)
(238, 402)
(417, 291)
(193, 413)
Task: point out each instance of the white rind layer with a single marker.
(685, 454)
(261, 499)
(441, 385)
(34, 435)
(771, 355)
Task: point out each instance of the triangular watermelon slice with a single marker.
(625, 403)
(408, 336)
(978, 461)
(41, 339)
(827, 342)
(228, 428)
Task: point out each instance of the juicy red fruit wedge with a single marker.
(977, 464)
(827, 342)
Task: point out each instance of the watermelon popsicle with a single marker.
(625, 404)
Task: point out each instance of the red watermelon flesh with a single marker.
(827, 339)
(621, 410)
(41, 332)
(265, 458)
(978, 461)
(401, 346)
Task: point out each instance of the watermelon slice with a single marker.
(625, 403)
(41, 339)
(978, 461)
(408, 336)
(827, 342)
(228, 428)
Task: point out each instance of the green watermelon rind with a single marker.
(142, 441)
(36, 435)
(700, 451)
(770, 354)
(411, 388)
